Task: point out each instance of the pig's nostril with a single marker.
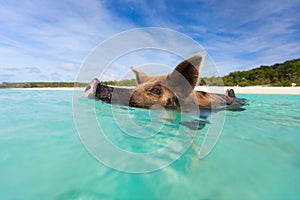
(169, 101)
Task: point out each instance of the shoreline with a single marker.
(252, 90)
(212, 89)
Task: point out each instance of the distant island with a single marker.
(131, 82)
(40, 84)
(282, 74)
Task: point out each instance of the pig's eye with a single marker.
(155, 91)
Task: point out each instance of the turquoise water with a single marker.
(42, 156)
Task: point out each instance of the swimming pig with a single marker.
(178, 86)
(170, 91)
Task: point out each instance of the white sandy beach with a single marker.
(252, 90)
(214, 89)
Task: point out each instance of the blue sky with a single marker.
(49, 40)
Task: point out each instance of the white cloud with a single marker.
(237, 34)
(54, 36)
(53, 33)
(33, 70)
(69, 66)
(55, 77)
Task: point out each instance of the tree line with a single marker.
(131, 82)
(282, 74)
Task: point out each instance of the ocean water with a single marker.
(42, 155)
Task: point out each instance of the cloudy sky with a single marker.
(49, 40)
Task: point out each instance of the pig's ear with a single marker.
(140, 76)
(188, 70)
